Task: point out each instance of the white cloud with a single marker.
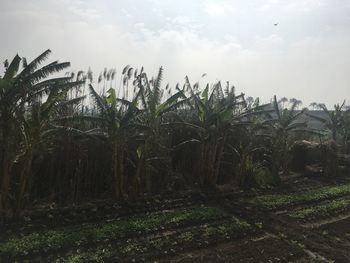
(273, 43)
(218, 8)
(310, 66)
(180, 20)
(126, 13)
(291, 6)
(85, 13)
(305, 5)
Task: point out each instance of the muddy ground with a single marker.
(302, 220)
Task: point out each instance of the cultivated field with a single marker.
(303, 220)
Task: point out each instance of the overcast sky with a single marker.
(306, 56)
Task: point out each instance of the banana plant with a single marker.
(19, 87)
(284, 126)
(335, 120)
(215, 114)
(117, 117)
(39, 120)
(346, 131)
(155, 146)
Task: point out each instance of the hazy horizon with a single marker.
(305, 56)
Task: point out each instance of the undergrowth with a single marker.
(321, 210)
(76, 236)
(276, 201)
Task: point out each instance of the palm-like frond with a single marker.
(100, 103)
(276, 107)
(156, 86)
(32, 66)
(59, 130)
(54, 87)
(72, 102)
(45, 71)
(12, 69)
(46, 84)
(171, 103)
(77, 118)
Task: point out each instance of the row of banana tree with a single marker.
(58, 144)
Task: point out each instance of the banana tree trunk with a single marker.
(116, 185)
(24, 183)
(334, 133)
(212, 164)
(209, 152)
(118, 171)
(148, 183)
(5, 184)
(220, 154)
(138, 186)
(121, 172)
(5, 169)
(203, 160)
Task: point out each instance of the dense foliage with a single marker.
(59, 145)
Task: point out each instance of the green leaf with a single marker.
(12, 69)
(117, 124)
(139, 151)
(112, 98)
(205, 93)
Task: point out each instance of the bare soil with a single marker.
(273, 236)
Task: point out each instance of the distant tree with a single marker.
(293, 101)
(282, 101)
(283, 127)
(335, 121)
(314, 105)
